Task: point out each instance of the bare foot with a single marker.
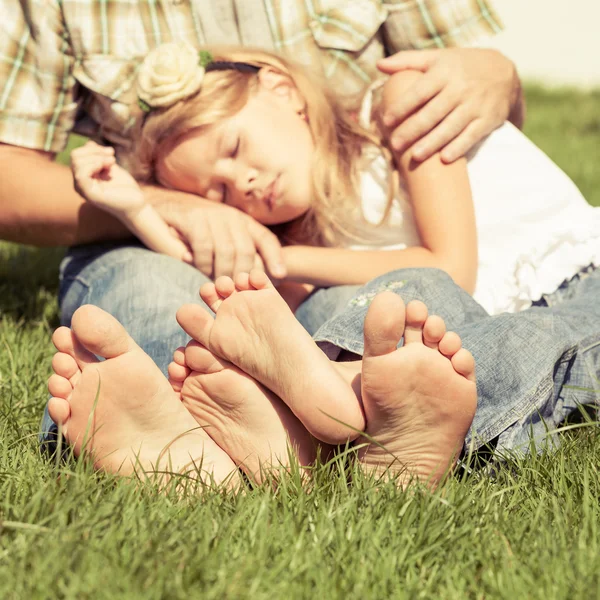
(420, 399)
(252, 425)
(255, 330)
(122, 411)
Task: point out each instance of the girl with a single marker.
(257, 132)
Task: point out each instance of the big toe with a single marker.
(384, 324)
(100, 333)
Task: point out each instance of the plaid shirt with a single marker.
(70, 64)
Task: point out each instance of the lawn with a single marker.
(530, 531)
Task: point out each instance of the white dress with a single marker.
(534, 227)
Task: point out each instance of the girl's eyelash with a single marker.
(236, 148)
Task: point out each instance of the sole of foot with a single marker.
(419, 399)
(252, 425)
(121, 412)
(255, 330)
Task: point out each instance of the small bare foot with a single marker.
(255, 330)
(420, 399)
(252, 425)
(122, 411)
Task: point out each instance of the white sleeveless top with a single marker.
(534, 227)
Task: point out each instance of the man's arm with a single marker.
(39, 206)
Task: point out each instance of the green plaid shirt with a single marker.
(69, 65)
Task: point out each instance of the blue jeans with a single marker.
(528, 363)
(533, 368)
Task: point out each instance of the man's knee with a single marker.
(130, 282)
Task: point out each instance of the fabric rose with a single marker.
(168, 74)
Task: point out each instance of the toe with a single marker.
(259, 280)
(208, 293)
(464, 364)
(384, 324)
(59, 386)
(177, 372)
(199, 359)
(66, 342)
(242, 282)
(65, 365)
(416, 316)
(179, 356)
(59, 410)
(100, 333)
(62, 339)
(224, 286)
(196, 322)
(433, 331)
(450, 344)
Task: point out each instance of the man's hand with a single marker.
(465, 94)
(223, 240)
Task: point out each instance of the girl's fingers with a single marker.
(90, 167)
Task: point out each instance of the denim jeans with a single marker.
(533, 368)
(528, 363)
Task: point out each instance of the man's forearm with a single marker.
(39, 206)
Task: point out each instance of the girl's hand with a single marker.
(105, 184)
(102, 182)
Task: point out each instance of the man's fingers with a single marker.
(223, 249)
(245, 254)
(471, 135)
(420, 60)
(423, 121)
(421, 92)
(202, 246)
(447, 130)
(269, 248)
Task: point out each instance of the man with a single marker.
(70, 67)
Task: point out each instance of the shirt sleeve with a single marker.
(438, 24)
(37, 89)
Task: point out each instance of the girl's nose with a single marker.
(247, 181)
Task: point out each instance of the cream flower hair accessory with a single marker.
(171, 72)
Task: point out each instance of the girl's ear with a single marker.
(282, 86)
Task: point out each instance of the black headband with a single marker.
(225, 65)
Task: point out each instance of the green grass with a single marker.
(531, 531)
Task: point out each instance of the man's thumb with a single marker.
(419, 60)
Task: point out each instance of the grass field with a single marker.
(532, 531)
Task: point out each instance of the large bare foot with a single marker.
(122, 411)
(252, 425)
(420, 399)
(255, 330)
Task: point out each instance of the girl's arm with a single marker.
(440, 195)
(106, 185)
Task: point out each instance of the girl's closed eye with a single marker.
(236, 146)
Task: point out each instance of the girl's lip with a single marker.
(271, 193)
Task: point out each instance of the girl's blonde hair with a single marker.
(339, 142)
